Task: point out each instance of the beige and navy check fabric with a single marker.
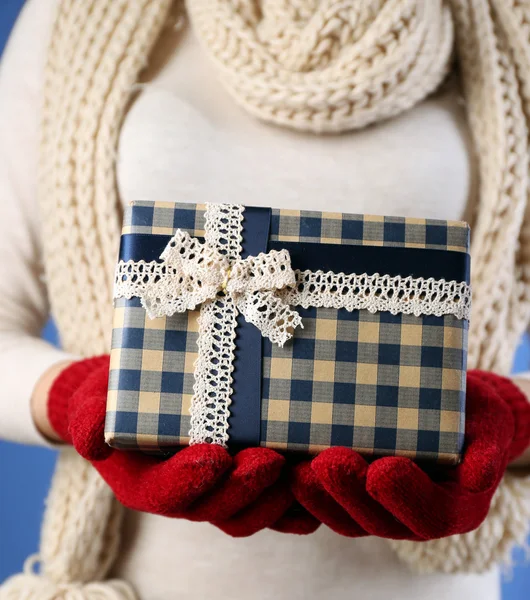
(368, 230)
(380, 383)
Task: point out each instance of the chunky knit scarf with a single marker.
(312, 65)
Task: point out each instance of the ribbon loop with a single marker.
(192, 273)
(270, 314)
(189, 257)
(267, 271)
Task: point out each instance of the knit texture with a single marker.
(63, 388)
(326, 66)
(313, 66)
(97, 50)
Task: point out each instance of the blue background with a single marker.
(25, 472)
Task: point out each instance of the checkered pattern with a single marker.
(151, 360)
(381, 384)
(164, 218)
(151, 377)
(367, 230)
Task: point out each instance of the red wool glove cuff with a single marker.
(66, 384)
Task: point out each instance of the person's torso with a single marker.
(185, 140)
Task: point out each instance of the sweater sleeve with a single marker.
(24, 357)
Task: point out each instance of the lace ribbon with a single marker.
(376, 293)
(212, 390)
(262, 288)
(192, 273)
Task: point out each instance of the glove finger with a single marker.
(314, 498)
(428, 509)
(271, 505)
(297, 520)
(86, 417)
(254, 470)
(489, 431)
(342, 473)
(165, 487)
(519, 406)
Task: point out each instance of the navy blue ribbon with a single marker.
(385, 260)
(416, 262)
(245, 407)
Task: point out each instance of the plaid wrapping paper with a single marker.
(382, 384)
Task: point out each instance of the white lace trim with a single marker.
(162, 291)
(212, 389)
(192, 273)
(407, 295)
(263, 308)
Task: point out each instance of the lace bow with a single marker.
(193, 273)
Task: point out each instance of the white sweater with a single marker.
(184, 139)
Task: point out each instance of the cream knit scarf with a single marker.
(320, 66)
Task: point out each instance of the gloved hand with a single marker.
(241, 494)
(395, 498)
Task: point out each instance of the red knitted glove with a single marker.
(393, 497)
(240, 494)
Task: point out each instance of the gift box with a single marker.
(294, 330)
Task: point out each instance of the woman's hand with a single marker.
(393, 497)
(241, 494)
